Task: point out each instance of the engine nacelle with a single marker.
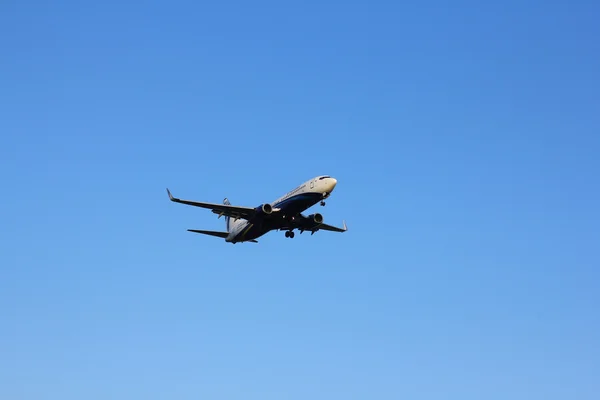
(316, 218)
(265, 209)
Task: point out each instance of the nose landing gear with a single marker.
(325, 195)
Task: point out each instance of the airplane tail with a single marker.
(227, 203)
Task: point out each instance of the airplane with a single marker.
(246, 224)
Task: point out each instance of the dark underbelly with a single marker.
(289, 207)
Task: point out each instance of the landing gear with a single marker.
(325, 195)
(289, 234)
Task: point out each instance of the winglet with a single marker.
(345, 227)
(170, 195)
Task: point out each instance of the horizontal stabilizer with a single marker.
(217, 234)
(211, 233)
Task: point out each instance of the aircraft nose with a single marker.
(332, 182)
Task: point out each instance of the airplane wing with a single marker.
(326, 227)
(305, 224)
(221, 209)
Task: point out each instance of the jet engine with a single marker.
(265, 209)
(316, 218)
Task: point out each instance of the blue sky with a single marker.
(465, 140)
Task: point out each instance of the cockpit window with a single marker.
(323, 177)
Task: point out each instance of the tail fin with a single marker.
(227, 203)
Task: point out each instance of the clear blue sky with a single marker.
(465, 137)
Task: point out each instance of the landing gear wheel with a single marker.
(291, 235)
(323, 203)
(287, 234)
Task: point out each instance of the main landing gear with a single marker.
(289, 234)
